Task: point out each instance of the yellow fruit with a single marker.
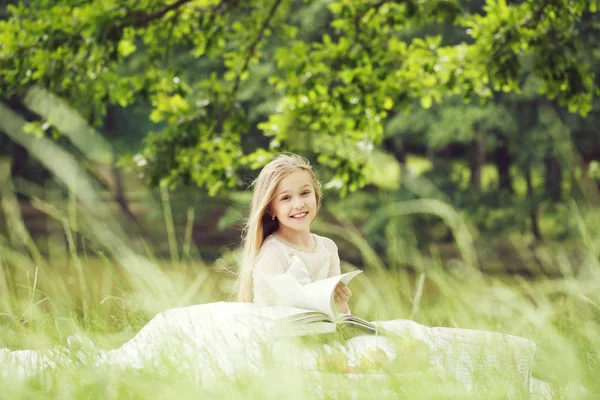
(411, 355)
(412, 346)
(338, 362)
(322, 363)
(373, 359)
(353, 369)
(334, 362)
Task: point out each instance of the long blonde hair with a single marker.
(260, 224)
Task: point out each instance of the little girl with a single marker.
(287, 197)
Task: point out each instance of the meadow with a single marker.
(456, 141)
(106, 287)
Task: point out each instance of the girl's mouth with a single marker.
(299, 216)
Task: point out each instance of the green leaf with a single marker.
(388, 103)
(426, 102)
(126, 47)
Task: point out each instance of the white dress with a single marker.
(277, 257)
(227, 337)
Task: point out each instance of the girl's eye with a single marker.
(306, 192)
(285, 197)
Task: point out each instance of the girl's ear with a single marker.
(270, 213)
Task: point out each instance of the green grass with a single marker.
(109, 297)
(4, 169)
(97, 281)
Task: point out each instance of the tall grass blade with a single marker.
(189, 229)
(169, 223)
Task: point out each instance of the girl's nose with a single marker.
(298, 204)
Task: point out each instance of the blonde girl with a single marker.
(286, 199)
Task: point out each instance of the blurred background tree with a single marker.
(488, 106)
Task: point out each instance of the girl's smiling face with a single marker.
(295, 202)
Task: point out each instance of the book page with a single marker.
(315, 296)
(319, 294)
(348, 276)
(357, 321)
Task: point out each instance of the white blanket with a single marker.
(225, 338)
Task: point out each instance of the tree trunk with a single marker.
(396, 151)
(503, 161)
(589, 188)
(533, 213)
(477, 162)
(553, 178)
(119, 192)
(19, 161)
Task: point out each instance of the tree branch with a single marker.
(356, 40)
(250, 52)
(538, 14)
(359, 16)
(540, 10)
(143, 20)
(254, 44)
(139, 19)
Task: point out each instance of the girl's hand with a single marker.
(341, 296)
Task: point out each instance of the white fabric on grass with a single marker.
(217, 339)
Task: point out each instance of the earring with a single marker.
(273, 218)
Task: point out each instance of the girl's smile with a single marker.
(300, 216)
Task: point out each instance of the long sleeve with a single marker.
(334, 267)
(271, 260)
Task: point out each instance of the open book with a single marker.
(308, 309)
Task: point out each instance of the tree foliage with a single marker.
(334, 87)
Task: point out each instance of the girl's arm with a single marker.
(343, 293)
(334, 267)
(271, 260)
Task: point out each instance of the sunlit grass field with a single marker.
(109, 286)
(91, 276)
